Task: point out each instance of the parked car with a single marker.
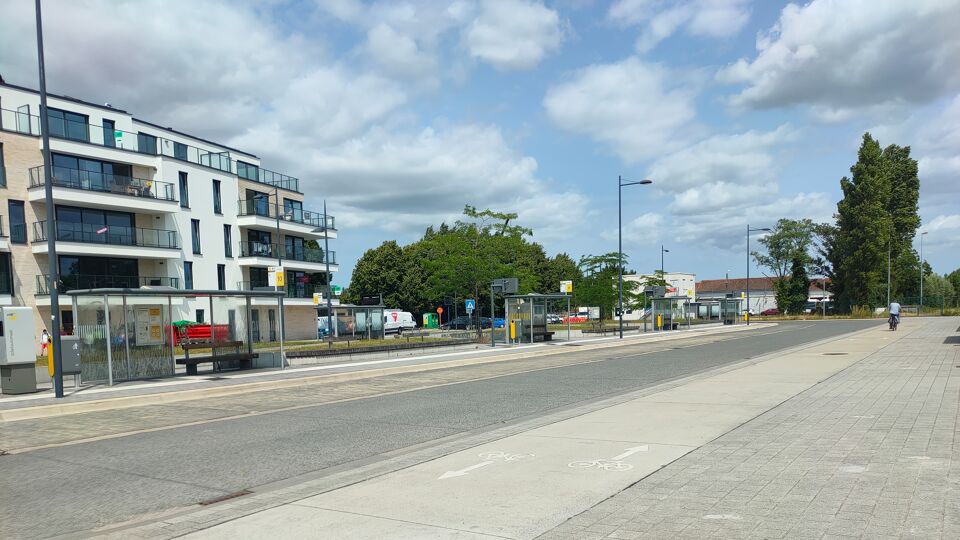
(463, 323)
(553, 318)
(771, 311)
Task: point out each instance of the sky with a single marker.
(399, 113)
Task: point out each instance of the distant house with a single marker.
(762, 293)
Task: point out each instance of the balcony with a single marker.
(86, 281)
(69, 132)
(108, 240)
(262, 215)
(101, 190)
(262, 254)
(298, 293)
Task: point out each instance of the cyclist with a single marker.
(894, 315)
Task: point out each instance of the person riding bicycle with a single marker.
(895, 311)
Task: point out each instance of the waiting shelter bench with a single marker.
(244, 359)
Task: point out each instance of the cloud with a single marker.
(398, 54)
(644, 230)
(412, 179)
(722, 171)
(661, 19)
(513, 34)
(638, 109)
(852, 54)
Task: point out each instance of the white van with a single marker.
(397, 321)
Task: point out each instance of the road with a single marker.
(84, 485)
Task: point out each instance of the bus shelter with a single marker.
(527, 316)
(130, 334)
(669, 313)
(359, 322)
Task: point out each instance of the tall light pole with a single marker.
(920, 310)
(52, 267)
(620, 186)
(889, 247)
(751, 230)
(326, 258)
(662, 251)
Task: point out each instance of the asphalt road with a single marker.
(87, 485)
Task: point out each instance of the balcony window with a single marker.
(68, 125)
(294, 248)
(258, 278)
(3, 170)
(146, 144)
(188, 275)
(293, 210)
(180, 151)
(217, 203)
(195, 235)
(184, 191)
(6, 275)
(109, 137)
(18, 222)
(221, 277)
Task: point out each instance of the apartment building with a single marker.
(141, 205)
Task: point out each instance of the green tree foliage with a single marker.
(876, 217)
(798, 286)
(598, 286)
(458, 262)
(936, 289)
(789, 241)
(954, 279)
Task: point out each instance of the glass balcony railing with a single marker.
(114, 235)
(105, 183)
(143, 143)
(89, 281)
(293, 290)
(274, 251)
(262, 207)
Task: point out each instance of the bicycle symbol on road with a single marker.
(503, 456)
(602, 464)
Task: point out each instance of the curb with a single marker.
(47, 411)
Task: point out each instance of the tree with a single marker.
(379, 271)
(598, 287)
(877, 216)
(798, 287)
(788, 242)
(937, 289)
(954, 279)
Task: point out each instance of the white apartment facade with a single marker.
(140, 205)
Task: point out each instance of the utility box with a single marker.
(70, 354)
(18, 356)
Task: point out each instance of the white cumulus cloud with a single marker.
(660, 19)
(842, 54)
(513, 34)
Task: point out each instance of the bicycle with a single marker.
(894, 321)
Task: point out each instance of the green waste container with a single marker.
(430, 320)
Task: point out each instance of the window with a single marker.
(96, 272)
(109, 133)
(217, 205)
(18, 222)
(258, 277)
(293, 210)
(6, 276)
(221, 277)
(184, 191)
(98, 226)
(227, 241)
(248, 171)
(68, 125)
(3, 171)
(199, 315)
(258, 244)
(90, 174)
(195, 233)
(146, 144)
(180, 151)
(258, 203)
(293, 246)
(188, 275)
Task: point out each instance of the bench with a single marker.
(245, 359)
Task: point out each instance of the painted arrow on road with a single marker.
(464, 471)
(630, 451)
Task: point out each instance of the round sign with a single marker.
(439, 310)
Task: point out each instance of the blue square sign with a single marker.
(471, 304)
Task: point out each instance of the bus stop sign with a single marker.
(471, 305)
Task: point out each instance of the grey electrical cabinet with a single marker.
(70, 354)
(18, 372)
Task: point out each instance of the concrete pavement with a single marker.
(526, 484)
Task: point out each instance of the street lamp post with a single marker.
(620, 186)
(52, 267)
(326, 258)
(920, 309)
(751, 230)
(662, 251)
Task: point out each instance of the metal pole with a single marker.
(173, 358)
(888, 270)
(748, 274)
(326, 258)
(276, 211)
(531, 320)
(249, 327)
(493, 317)
(568, 319)
(106, 323)
(283, 362)
(52, 262)
(920, 309)
(619, 252)
(126, 338)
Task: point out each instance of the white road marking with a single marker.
(464, 471)
(614, 464)
(630, 452)
(722, 516)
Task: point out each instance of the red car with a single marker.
(771, 311)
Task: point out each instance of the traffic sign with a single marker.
(471, 304)
(566, 287)
(439, 311)
(336, 290)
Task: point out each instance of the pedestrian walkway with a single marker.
(873, 452)
(528, 483)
